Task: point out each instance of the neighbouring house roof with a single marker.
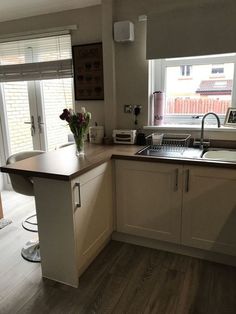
(215, 87)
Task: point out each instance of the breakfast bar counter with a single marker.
(63, 164)
(74, 202)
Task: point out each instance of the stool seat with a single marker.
(25, 185)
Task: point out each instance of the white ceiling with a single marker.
(16, 9)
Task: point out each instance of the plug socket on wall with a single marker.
(128, 108)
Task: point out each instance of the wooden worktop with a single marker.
(63, 164)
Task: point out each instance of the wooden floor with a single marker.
(123, 279)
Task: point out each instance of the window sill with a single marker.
(189, 128)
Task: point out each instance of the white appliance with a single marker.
(124, 136)
(96, 134)
(123, 31)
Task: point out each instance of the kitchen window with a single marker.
(210, 87)
(217, 69)
(185, 70)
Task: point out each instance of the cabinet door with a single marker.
(93, 219)
(148, 198)
(1, 212)
(209, 209)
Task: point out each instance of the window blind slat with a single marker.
(34, 71)
(40, 58)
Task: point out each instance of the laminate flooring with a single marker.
(124, 278)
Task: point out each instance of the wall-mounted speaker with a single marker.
(123, 31)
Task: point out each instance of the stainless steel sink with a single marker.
(220, 154)
(174, 152)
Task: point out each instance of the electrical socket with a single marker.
(128, 108)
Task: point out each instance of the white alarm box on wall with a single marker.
(123, 31)
(124, 136)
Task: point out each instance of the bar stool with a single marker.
(25, 185)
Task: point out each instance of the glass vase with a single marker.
(79, 142)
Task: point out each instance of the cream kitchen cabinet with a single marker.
(209, 209)
(75, 220)
(148, 199)
(189, 205)
(93, 216)
(1, 211)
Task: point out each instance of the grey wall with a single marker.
(131, 64)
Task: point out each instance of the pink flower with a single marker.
(78, 122)
(65, 115)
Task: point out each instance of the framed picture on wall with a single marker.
(88, 71)
(230, 118)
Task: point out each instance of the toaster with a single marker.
(124, 136)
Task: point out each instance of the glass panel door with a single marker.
(20, 131)
(56, 95)
(32, 112)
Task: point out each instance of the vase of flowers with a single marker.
(78, 123)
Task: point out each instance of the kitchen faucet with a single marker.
(202, 128)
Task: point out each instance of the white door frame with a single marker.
(41, 120)
(4, 147)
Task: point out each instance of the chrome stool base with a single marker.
(31, 251)
(30, 223)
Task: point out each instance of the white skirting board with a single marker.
(175, 248)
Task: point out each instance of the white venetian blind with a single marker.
(190, 28)
(36, 59)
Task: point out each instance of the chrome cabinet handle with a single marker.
(32, 129)
(187, 180)
(176, 179)
(77, 205)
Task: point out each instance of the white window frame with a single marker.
(157, 78)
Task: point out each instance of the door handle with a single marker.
(187, 180)
(77, 205)
(176, 179)
(32, 128)
(40, 123)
